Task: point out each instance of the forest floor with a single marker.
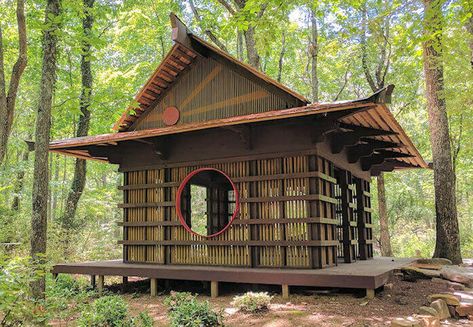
(305, 308)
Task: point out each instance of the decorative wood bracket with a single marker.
(161, 147)
(341, 139)
(380, 157)
(323, 126)
(389, 165)
(355, 152)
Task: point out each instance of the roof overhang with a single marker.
(359, 123)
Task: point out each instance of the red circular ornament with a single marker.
(171, 116)
(179, 194)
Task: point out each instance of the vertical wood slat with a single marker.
(360, 212)
(248, 256)
(346, 240)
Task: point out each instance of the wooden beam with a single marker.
(380, 157)
(389, 165)
(361, 220)
(213, 289)
(162, 147)
(153, 286)
(244, 132)
(367, 131)
(367, 148)
(285, 291)
(346, 241)
(348, 138)
(323, 126)
(100, 283)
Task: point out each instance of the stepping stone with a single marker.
(441, 307)
(428, 311)
(427, 266)
(450, 299)
(419, 273)
(464, 310)
(463, 275)
(428, 321)
(405, 322)
(435, 261)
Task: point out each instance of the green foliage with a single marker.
(107, 311)
(252, 302)
(16, 306)
(184, 310)
(112, 311)
(175, 299)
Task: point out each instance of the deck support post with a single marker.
(100, 283)
(213, 289)
(55, 276)
(285, 291)
(125, 280)
(92, 281)
(153, 286)
(370, 293)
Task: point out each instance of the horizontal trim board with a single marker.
(325, 221)
(233, 243)
(147, 204)
(238, 180)
(289, 198)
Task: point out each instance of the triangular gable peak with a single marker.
(197, 82)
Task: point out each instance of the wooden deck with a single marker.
(367, 274)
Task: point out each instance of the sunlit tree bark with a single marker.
(448, 239)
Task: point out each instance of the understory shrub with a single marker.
(16, 305)
(112, 311)
(252, 302)
(184, 310)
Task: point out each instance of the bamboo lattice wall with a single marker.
(288, 216)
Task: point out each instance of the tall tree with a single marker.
(447, 243)
(80, 168)
(376, 81)
(206, 30)
(20, 180)
(249, 33)
(8, 96)
(42, 136)
(314, 51)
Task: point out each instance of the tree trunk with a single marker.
(376, 83)
(314, 51)
(448, 240)
(385, 239)
(281, 56)
(80, 169)
(251, 51)
(43, 127)
(240, 45)
(19, 183)
(8, 97)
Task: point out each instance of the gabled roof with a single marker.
(186, 50)
(368, 114)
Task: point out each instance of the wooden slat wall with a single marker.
(212, 91)
(298, 193)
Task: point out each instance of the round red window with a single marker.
(207, 202)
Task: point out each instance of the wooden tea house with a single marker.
(229, 176)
